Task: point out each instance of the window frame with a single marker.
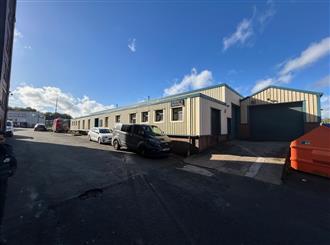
(147, 117)
(172, 114)
(155, 116)
(130, 118)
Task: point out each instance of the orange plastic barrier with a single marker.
(311, 152)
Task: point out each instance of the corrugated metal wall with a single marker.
(205, 118)
(184, 127)
(216, 93)
(193, 122)
(278, 95)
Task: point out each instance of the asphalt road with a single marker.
(68, 190)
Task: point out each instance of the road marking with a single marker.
(196, 170)
(254, 168)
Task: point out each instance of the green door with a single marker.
(278, 122)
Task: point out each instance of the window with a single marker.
(145, 116)
(100, 123)
(89, 123)
(106, 122)
(126, 128)
(83, 124)
(177, 114)
(159, 115)
(104, 131)
(117, 119)
(132, 118)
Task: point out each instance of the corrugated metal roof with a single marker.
(279, 87)
(184, 95)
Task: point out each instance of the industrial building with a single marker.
(7, 23)
(277, 113)
(204, 117)
(26, 119)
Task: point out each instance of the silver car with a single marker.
(100, 135)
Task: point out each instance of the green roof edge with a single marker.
(183, 95)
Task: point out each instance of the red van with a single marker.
(61, 125)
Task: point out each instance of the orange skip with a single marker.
(311, 152)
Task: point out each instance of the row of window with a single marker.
(176, 115)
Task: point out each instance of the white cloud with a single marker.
(325, 106)
(262, 84)
(267, 15)
(323, 83)
(17, 34)
(243, 31)
(312, 54)
(27, 47)
(132, 45)
(191, 81)
(44, 99)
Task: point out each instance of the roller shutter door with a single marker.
(278, 122)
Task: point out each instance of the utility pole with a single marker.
(56, 104)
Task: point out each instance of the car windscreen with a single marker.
(104, 131)
(153, 130)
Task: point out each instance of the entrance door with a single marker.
(215, 122)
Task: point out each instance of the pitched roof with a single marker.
(188, 94)
(279, 87)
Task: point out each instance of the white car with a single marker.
(9, 128)
(101, 135)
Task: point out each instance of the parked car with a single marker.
(40, 127)
(9, 128)
(145, 139)
(101, 135)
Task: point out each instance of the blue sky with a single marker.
(96, 54)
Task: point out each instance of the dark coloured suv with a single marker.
(145, 139)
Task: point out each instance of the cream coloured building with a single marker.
(199, 118)
(204, 117)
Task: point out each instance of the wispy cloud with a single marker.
(313, 53)
(323, 83)
(266, 16)
(309, 56)
(44, 99)
(17, 35)
(194, 80)
(27, 47)
(262, 84)
(132, 45)
(245, 30)
(325, 105)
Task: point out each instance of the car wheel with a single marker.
(116, 145)
(142, 151)
(99, 140)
